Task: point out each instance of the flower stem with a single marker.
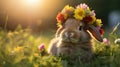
(115, 28)
(6, 21)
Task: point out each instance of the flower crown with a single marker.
(82, 12)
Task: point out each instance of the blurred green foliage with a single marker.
(19, 48)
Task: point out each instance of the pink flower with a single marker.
(83, 6)
(98, 27)
(92, 13)
(41, 46)
(106, 41)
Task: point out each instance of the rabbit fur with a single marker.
(73, 41)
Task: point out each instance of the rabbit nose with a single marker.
(69, 35)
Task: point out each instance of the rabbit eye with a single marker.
(80, 27)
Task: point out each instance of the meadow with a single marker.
(20, 48)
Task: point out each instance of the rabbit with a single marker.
(74, 40)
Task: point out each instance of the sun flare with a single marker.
(32, 2)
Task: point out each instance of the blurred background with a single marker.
(40, 15)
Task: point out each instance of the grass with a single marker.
(19, 48)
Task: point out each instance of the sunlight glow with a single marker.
(32, 2)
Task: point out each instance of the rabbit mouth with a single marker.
(71, 40)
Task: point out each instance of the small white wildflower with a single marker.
(117, 41)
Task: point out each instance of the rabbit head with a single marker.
(75, 31)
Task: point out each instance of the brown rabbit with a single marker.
(73, 40)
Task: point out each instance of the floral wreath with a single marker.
(83, 13)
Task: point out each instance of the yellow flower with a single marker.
(10, 34)
(36, 54)
(17, 49)
(68, 9)
(99, 22)
(36, 65)
(59, 24)
(93, 20)
(65, 15)
(79, 14)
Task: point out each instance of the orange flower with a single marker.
(60, 17)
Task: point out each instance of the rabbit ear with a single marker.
(59, 31)
(93, 30)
